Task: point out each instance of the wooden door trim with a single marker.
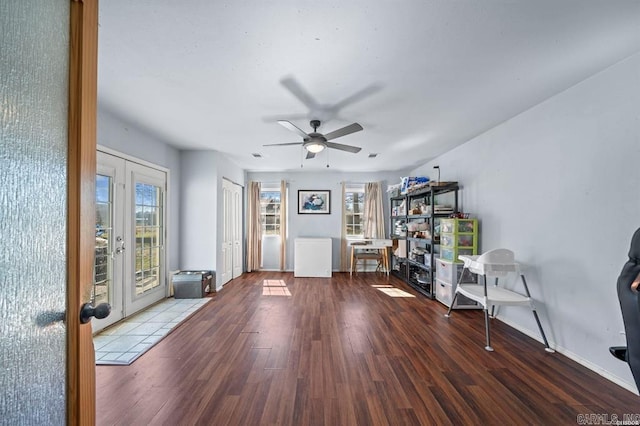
(83, 73)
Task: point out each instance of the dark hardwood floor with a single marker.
(340, 351)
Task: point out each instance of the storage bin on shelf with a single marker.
(459, 226)
(451, 253)
(458, 237)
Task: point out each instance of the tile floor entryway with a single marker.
(127, 340)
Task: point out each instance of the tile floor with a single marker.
(124, 342)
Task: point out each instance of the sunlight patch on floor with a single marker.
(391, 291)
(275, 288)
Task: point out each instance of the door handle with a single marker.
(120, 241)
(88, 310)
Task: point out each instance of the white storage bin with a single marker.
(444, 295)
(450, 272)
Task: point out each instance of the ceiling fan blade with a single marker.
(297, 91)
(369, 90)
(289, 117)
(343, 147)
(283, 144)
(310, 155)
(293, 128)
(346, 130)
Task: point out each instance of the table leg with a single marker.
(351, 265)
(386, 259)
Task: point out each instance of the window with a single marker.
(270, 212)
(354, 208)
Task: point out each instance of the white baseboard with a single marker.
(574, 357)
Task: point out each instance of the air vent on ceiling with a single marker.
(256, 155)
(373, 155)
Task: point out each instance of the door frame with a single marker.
(82, 118)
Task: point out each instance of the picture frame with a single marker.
(314, 201)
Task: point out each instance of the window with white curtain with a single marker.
(354, 209)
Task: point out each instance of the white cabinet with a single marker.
(312, 257)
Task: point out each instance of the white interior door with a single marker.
(130, 232)
(232, 256)
(238, 260)
(227, 232)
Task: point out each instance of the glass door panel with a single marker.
(103, 268)
(149, 241)
(34, 94)
(109, 248)
(145, 226)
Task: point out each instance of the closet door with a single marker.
(226, 274)
(232, 257)
(238, 259)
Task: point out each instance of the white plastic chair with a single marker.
(496, 263)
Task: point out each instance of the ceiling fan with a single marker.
(316, 109)
(315, 142)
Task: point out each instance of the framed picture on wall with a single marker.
(314, 202)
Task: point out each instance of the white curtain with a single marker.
(373, 211)
(344, 254)
(283, 225)
(254, 228)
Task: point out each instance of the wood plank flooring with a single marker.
(340, 351)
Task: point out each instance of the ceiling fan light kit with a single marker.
(314, 146)
(315, 142)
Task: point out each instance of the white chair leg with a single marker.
(448, 314)
(487, 330)
(535, 315)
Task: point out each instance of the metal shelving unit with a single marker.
(415, 269)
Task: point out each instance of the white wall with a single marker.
(308, 225)
(195, 180)
(198, 201)
(559, 185)
(128, 138)
(201, 226)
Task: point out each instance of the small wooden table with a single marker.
(381, 253)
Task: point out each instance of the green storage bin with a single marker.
(458, 237)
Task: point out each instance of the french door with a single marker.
(130, 237)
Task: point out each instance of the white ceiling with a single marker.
(426, 75)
